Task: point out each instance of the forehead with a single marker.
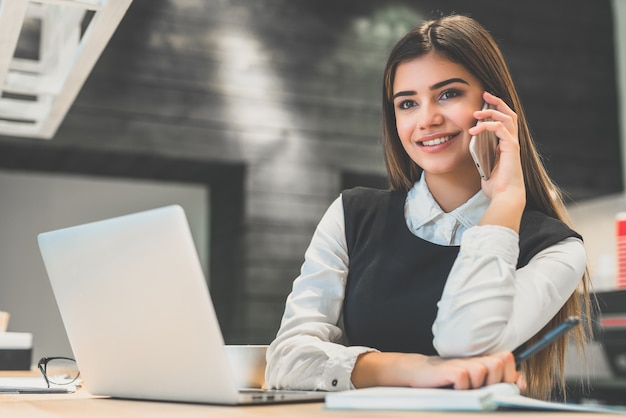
(423, 72)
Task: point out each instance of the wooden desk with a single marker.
(81, 405)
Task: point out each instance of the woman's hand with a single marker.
(505, 187)
(416, 370)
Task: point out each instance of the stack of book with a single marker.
(15, 350)
(15, 347)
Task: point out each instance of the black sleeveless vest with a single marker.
(395, 278)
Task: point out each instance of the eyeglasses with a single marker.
(58, 370)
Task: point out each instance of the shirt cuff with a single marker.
(338, 371)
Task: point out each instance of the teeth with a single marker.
(436, 141)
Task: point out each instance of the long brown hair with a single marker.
(464, 41)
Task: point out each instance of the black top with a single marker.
(395, 278)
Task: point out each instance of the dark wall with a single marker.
(284, 96)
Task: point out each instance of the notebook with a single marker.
(488, 398)
(138, 314)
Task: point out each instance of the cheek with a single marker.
(466, 117)
(469, 122)
(462, 117)
(404, 128)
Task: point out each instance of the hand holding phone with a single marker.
(483, 149)
(546, 340)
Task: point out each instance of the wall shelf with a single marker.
(64, 39)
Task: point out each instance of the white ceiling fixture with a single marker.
(64, 39)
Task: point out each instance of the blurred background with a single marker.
(254, 115)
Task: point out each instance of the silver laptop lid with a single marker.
(136, 308)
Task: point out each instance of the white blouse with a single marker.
(487, 305)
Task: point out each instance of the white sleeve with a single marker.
(488, 306)
(305, 354)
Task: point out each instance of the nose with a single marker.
(429, 115)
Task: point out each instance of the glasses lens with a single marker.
(61, 371)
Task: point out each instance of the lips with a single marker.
(436, 141)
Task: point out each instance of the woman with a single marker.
(435, 281)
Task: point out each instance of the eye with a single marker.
(449, 94)
(406, 104)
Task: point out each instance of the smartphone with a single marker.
(483, 149)
(547, 339)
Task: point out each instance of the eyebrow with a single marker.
(433, 87)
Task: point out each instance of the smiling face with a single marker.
(434, 100)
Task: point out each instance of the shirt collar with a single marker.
(422, 208)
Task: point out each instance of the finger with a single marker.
(461, 379)
(501, 109)
(509, 371)
(501, 368)
(495, 369)
(500, 129)
(498, 103)
(488, 117)
(478, 374)
(469, 374)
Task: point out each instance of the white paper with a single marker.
(501, 395)
(32, 384)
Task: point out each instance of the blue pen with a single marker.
(548, 338)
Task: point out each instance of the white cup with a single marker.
(4, 321)
(248, 364)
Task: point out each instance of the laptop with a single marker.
(138, 314)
